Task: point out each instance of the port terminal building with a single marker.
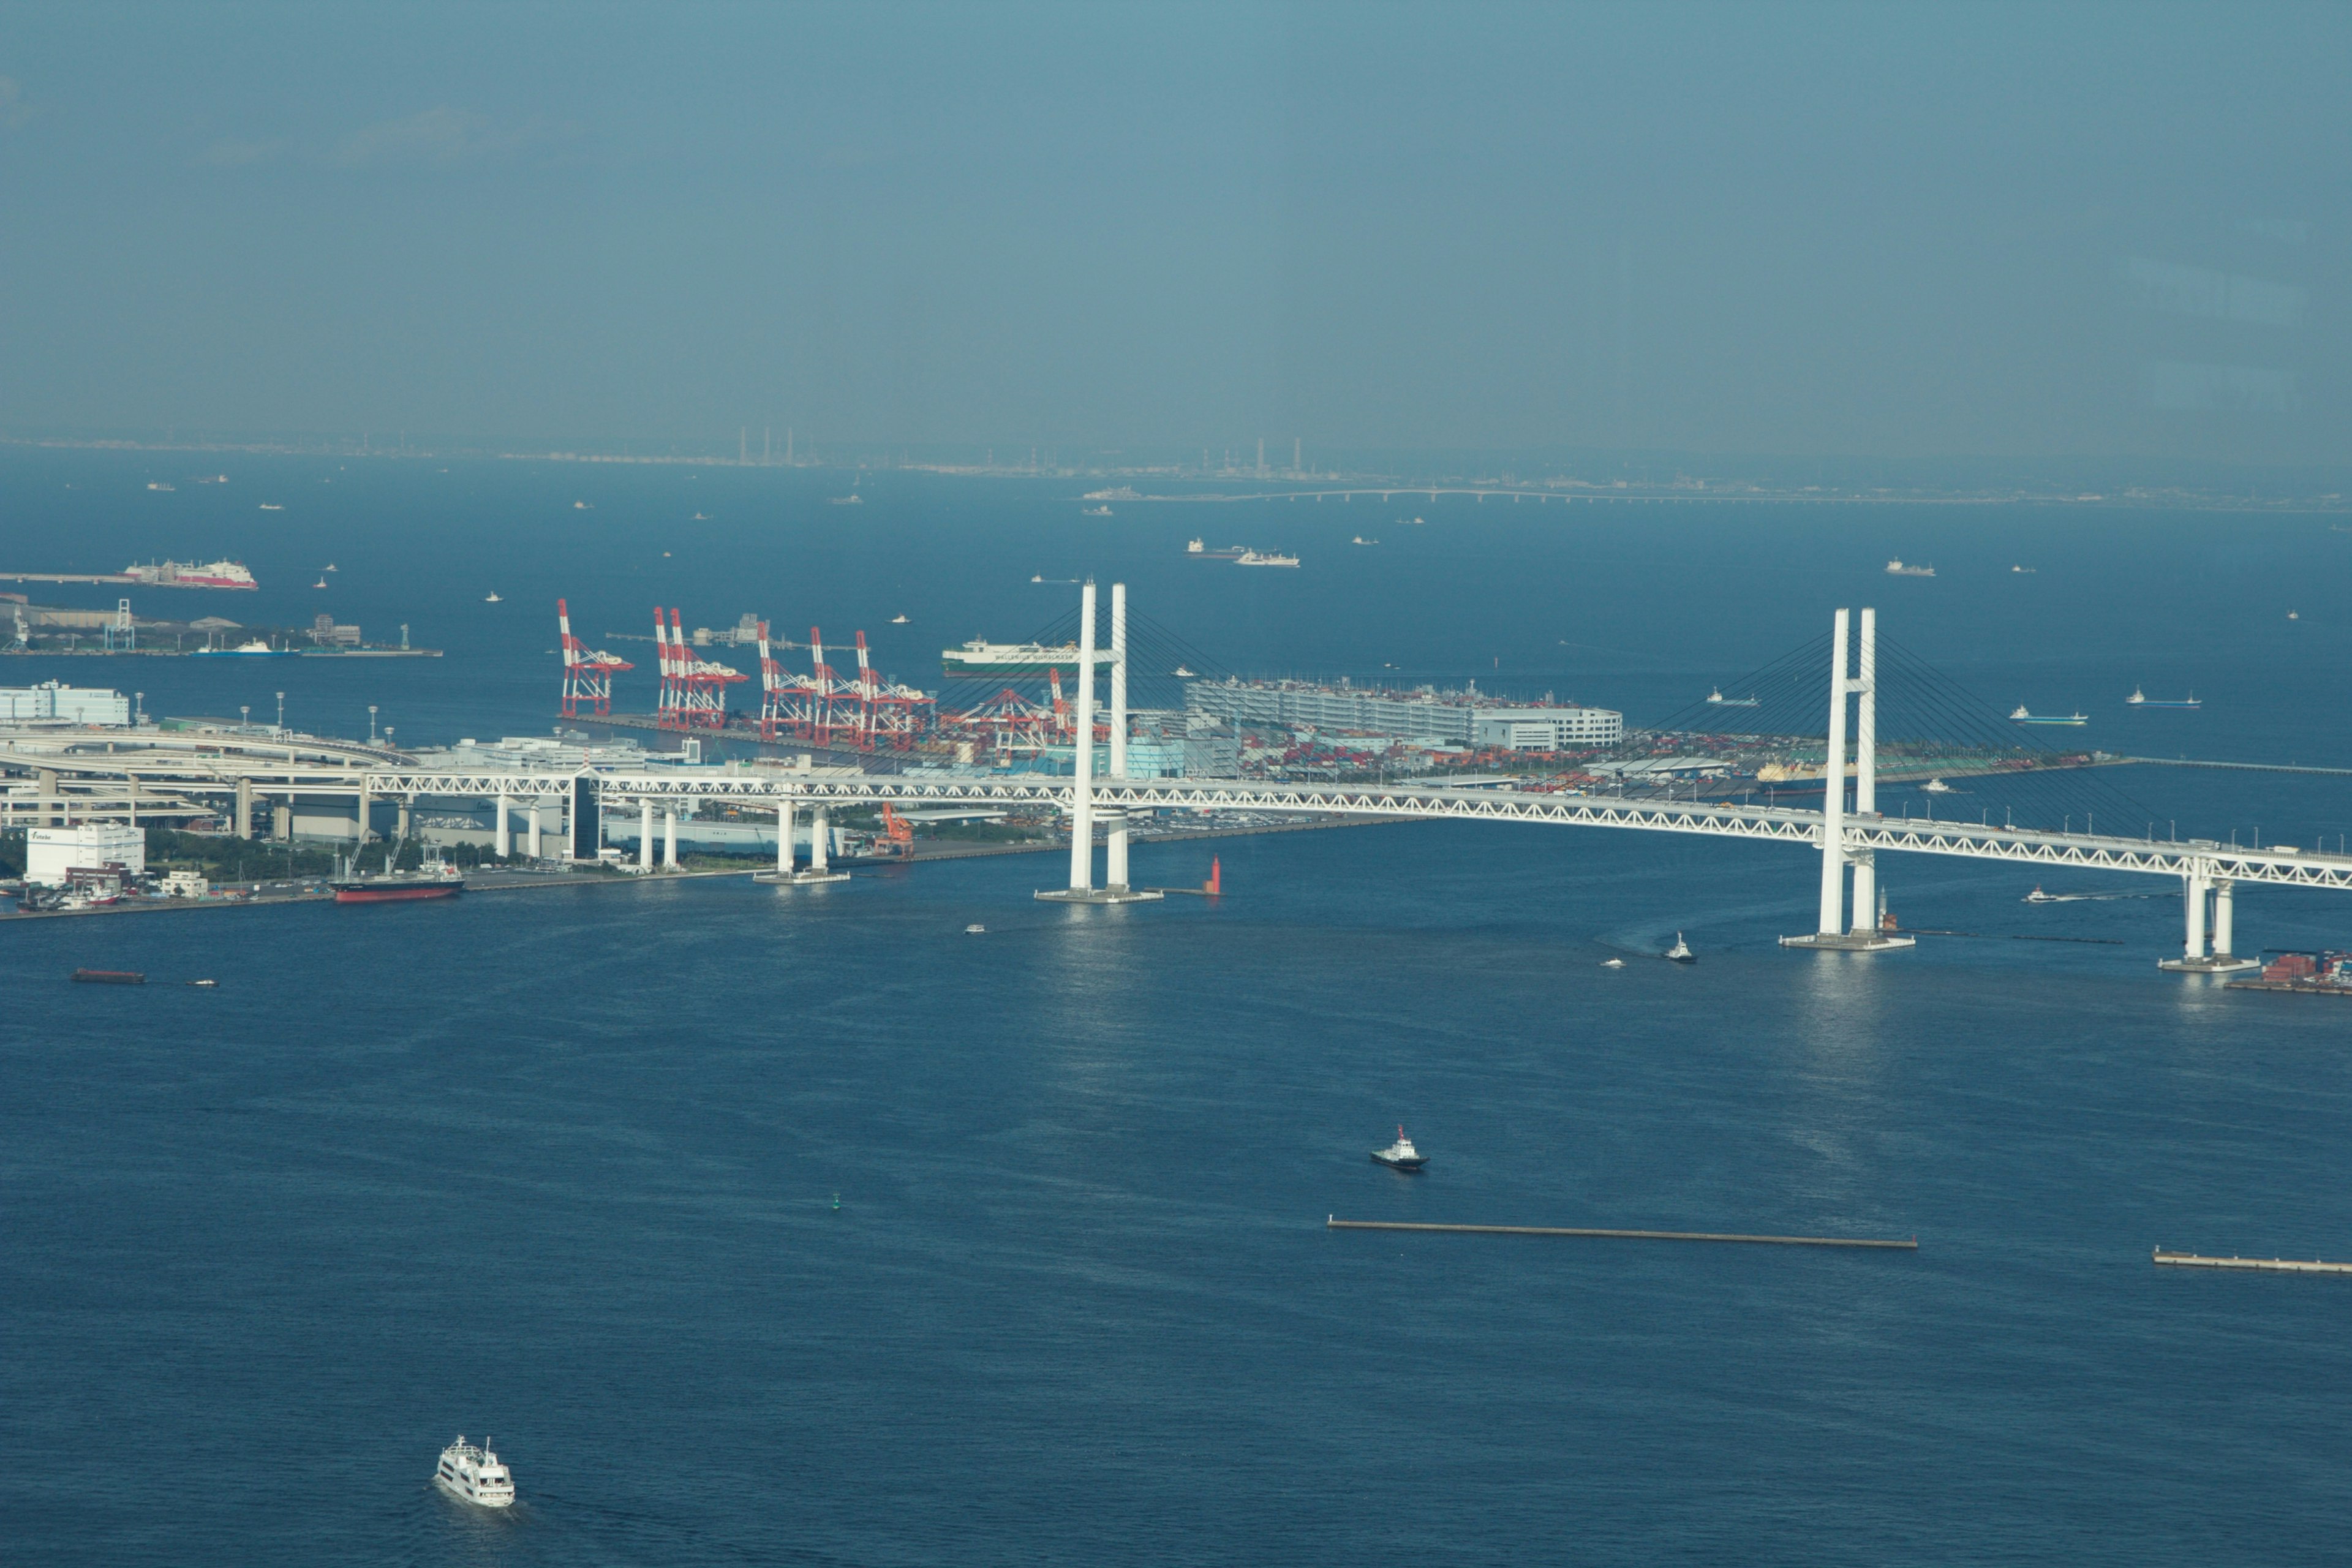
(1463, 718)
(50, 703)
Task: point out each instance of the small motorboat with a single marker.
(1680, 952)
(319, 583)
(204, 985)
(1180, 673)
(1612, 963)
(898, 620)
(975, 930)
(2037, 897)
(474, 1475)
(490, 599)
(1401, 1155)
(330, 566)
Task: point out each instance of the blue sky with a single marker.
(1884, 230)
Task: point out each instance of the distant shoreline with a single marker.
(1277, 487)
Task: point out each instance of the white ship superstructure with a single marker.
(474, 1475)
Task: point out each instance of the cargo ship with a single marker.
(436, 882)
(2140, 699)
(2022, 717)
(1896, 569)
(982, 658)
(1256, 558)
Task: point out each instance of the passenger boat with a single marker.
(1401, 1155)
(192, 574)
(1680, 952)
(474, 1475)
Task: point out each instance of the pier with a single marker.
(1333, 1223)
(2268, 1265)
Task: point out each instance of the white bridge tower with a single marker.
(1863, 934)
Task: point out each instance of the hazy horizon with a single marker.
(2041, 236)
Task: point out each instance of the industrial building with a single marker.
(1463, 718)
(53, 854)
(54, 704)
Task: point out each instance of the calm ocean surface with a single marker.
(560, 1166)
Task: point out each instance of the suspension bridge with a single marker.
(47, 779)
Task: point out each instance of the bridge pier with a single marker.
(820, 833)
(669, 838)
(533, 841)
(2197, 886)
(1833, 931)
(504, 839)
(646, 834)
(1082, 889)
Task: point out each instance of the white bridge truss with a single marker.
(166, 776)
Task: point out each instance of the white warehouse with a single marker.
(52, 703)
(1547, 729)
(51, 852)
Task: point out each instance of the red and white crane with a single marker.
(587, 672)
(694, 689)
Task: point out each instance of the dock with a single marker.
(1334, 1223)
(2268, 1265)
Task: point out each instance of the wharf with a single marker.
(1333, 1223)
(2267, 1265)
(2300, 987)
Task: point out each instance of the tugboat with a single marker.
(1935, 787)
(1401, 1155)
(474, 1475)
(1680, 952)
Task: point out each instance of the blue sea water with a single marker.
(560, 1165)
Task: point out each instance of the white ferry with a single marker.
(253, 648)
(190, 574)
(1254, 558)
(474, 1475)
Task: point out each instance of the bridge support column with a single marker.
(2197, 886)
(669, 838)
(1833, 931)
(532, 839)
(504, 842)
(407, 817)
(244, 802)
(645, 835)
(1081, 889)
(367, 809)
(820, 850)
